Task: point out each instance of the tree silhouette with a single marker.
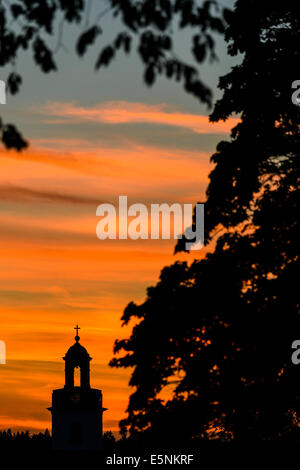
(147, 27)
(24, 440)
(217, 334)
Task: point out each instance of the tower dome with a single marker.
(77, 352)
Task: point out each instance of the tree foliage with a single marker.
(217, 334)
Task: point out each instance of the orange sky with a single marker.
(55, 272)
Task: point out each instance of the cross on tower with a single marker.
(77, 328)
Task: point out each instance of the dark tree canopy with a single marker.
(146, 26)
(218, 333)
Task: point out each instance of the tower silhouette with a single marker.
(77, 410)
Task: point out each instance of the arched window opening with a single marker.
(77, 375)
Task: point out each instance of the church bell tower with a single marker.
(77, 410)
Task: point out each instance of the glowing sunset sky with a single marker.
(92, 138)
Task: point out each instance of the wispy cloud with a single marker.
(99, 172)
(118, 112)
(9, 192)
